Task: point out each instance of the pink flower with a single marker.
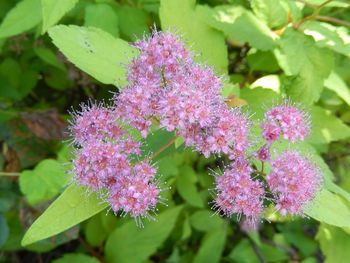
(294, 180)
(135, 193)
(288, 120)
(237, 193)
(95, 122)
(98, 164)
(264, 153)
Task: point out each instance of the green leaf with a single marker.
(335, 83)
(271, 82)
(44, 182)
(73, 206)
(334, 243)
(273, 254)
(326, 35)
(206, 220)
(49, 57)
(133, 22)
(4, 230)
(242, 25)
(257, 61)
(326, 127)
(95, 233)
(102, 16)
(53, 11)
(259, 100)
(76, 258)
(306, 64)
(23, 17)
(190, 20)
(273, 12)
(329, 208)
(136, 244)
(244, 252)
(186, 187)
(94, 51)
(212, 246)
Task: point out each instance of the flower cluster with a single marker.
(103, 162)
(285, 120)
(166, 86)
(294, 180)
(238, 193)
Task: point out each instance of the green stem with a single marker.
(313, 15)
(9, 174)
(163, 148)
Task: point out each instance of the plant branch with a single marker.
(313, 15)
(164, 147)
(9, 174)
(333, 20)
(91, 251)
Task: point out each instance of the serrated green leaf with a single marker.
(326, 127)
(73, 206)
(273, 12)
(306, 64)
(102, 16)
(53, 11)
(212, 246)
(242, 25)
(334, 243)
(44, 182)
(335, 83)
(94, 51)
(136, 244)
(326, 35)
(329, 208)
(21, 18)
(194, 29)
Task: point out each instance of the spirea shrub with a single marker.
(166, 87)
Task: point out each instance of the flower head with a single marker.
(294, 180)
(238, 193)
(135, 193)
(286, 120)
(95, 122)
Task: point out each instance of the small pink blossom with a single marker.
(288, 120)
(237, 193)
(95, 122)
(294, 180)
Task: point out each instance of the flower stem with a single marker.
(164, 147)
(9, 174)
(313, 15)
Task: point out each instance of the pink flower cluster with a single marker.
(167, 85)
(238, 193)
(103, 162)
(286, 120)
(294, 180)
